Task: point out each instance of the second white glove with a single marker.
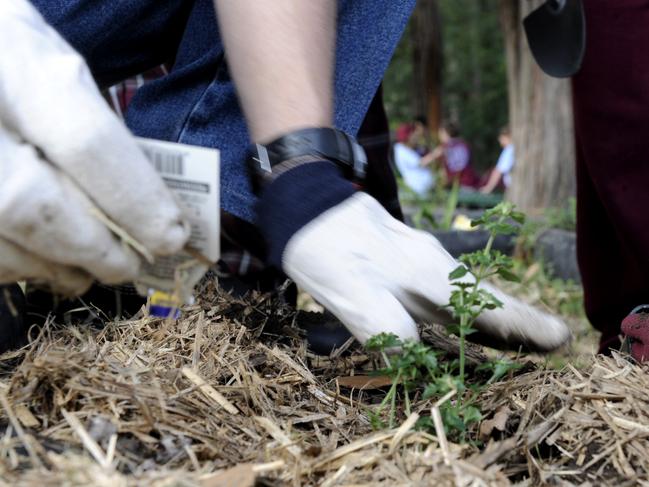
(378, 275)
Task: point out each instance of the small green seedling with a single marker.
(468, 300)
(417, 369)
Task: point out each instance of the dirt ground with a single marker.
(229, 395)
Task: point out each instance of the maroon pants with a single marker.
(611, 104)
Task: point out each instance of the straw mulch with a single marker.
(210, 400)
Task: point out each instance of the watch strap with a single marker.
(267, 162)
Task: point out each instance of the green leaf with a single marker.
(462, 286)
(518, 217)
(500, 228)
(430, 361)
(471, 414)
(452, 420)
(430, 391)
(508, 275)
(477, 222)
(458, 273)
(425, 423)
(498, 369)
(375, 421)
(382, 341)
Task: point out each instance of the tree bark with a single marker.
(540, 114)
(427, 61)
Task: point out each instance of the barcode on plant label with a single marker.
(166, 162)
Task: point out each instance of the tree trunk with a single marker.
(427, 61)
(540, 114)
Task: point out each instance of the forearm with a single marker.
(281, 56)
(493, 181)
(428, 159)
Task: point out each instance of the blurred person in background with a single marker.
(423, 142)
(500, 177)
(454, 154)
(407, 159)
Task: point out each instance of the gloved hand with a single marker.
(372, 271)
(378, 275)
(63, 155)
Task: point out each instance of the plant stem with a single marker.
(451, 204)
(463, 327)
(465, 323)
(407, 394)
(385, 359)
(393, 400)
(487, 250)
(387, 398)
(490, 242)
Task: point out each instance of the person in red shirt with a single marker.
(455, 154)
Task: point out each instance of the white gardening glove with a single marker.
(378, 275)
(62, 155)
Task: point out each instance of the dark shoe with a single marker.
(13, 327)
(324, 333)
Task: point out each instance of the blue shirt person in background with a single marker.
(501, 175)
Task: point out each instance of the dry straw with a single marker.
(209, 401)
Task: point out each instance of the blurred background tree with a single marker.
(541, 114)
(451, 64)
(427, 58)
(468, 61)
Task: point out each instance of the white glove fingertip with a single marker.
(518, 322)
(47, 215)
(388, 316)
(172, 236)
(365, 319)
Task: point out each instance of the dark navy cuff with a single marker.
(294, 199)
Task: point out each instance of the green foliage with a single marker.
(418, 367)
(382, 341)
(564, 218)
(468, 300)
(474, 78)
(474, 75)
(425, 214)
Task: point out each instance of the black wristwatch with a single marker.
(267, 162)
